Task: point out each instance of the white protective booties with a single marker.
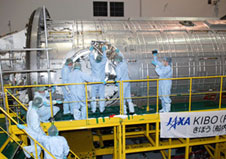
(131, 107)
(93, 105)
(124, 108)
(167, 107)
(161, 111)
(77, 114)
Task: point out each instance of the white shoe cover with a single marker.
(77, 114)
(131, 107)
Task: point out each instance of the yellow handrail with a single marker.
(220, 98)
(86, 94)
(35, 141)
(189, 80)
(147, 109)
(15, 141)
(76, 157)
(16, 115)
(108, 82)
(157, 98)
(121, 98)
(51, 103)
(15, 99)
(49, 85)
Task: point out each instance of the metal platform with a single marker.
(118, 135)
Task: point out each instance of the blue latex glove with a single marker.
(91, 48)
(20, 126)
(59, 102)
(154, 63)
(65, 157)
(46, 104)
(117, 50)
(104, 48)
(53, 89)
(104, 82)
(117, 84)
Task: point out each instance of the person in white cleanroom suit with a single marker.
(122, 74)
(67, 68)
(164, 70)
(33, 122)
(44, 111)
(98, 71)
(56, 145)
(78, 90)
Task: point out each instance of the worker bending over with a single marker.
(56, 145)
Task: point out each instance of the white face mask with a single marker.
(46, 93)
(70, 67)
(43, 93)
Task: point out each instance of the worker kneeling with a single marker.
(56, 145)
(44, 111)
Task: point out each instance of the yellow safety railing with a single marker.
(50, 94)
(121, 93)
(11, 137)
(35, 141)
(76, 157)
(21, 145)
(182, 94)
(70, 152)
(190, 83)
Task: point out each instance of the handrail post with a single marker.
(157, 111)
(157, 134)
(123, 141)
(6, 103)
(51, 101)
(121, 98)
(13, 139)
(148, 94)
(190, 94)
(35, 141)
(36, 150)
(120, 141)
(221, 88)
(157, 97)
(19, 102)
(86, 101)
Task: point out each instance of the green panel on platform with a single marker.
(3, 136)
(10, 149)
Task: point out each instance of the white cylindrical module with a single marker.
(197, 47)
